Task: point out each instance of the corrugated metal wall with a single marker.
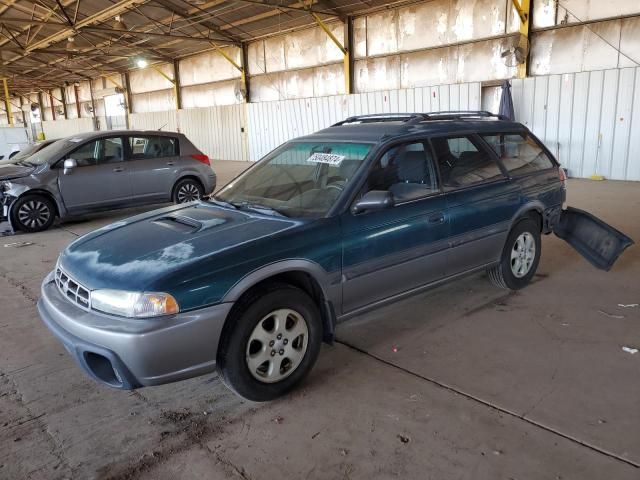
(63, 128)
(587, 119)
(273, 123)
(167, 121)
(220, 132)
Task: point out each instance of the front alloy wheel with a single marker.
(270, 342)
(277, 345)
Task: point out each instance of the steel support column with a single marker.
(523, 7)
(241, 68)
(76, 95)
(177, 88)
(7, 103)
(174, 83)
(245, 73)
(343, 49)
(53, 110)
(63, 94)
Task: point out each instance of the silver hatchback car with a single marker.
(99, 171)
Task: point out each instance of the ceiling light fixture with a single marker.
(118, 24)
(142, 63)
(70, 44)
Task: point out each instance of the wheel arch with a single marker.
(308, 276)
(532, 210)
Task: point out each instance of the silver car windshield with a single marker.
(300, 179)
(49, 153)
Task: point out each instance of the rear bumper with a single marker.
(127, 353)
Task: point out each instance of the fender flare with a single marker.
(319, 274)
(534, 205)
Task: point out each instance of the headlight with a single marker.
(133, 304)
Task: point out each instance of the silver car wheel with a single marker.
(34, 214)
(523, 254)
(188, 193)
(277, 345)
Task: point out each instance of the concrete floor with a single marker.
(463, 382)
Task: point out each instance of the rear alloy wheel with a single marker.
(187, 190)
(33, 213)
(271, 342)
(520, 256)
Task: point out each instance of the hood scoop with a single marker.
(179, 223)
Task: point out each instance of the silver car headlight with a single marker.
(133, 304)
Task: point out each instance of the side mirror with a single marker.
(69, 165)
(374, 200)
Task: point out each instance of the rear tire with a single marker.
(520, 257)
(271, 343)
(187, 190)
(33, 213)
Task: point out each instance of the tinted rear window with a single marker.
(519, 153)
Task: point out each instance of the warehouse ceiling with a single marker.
(45, 43)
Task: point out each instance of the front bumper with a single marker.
(130, 353)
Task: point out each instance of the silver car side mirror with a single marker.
(69, 165)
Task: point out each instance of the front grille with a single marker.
(72, 289)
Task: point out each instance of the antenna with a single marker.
(160, 129)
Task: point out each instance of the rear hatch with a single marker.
(595, 240)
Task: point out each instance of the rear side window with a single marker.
(462, 162)
(143, 147)
(519, 153)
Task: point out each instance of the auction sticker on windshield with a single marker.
(328, 158)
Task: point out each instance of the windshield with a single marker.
(49, 153)
(298, 179)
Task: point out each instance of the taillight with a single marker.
(562, 175)
(201, 157)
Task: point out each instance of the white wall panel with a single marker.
(586, 119)
(167, 121)
(217, 131)
(54, 129)
(273, 123)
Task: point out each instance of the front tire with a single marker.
(187, 190)
(271, 344)
(33, 213)
(520, 257)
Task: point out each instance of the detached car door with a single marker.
(392, 251)
(101, 178)
(153, 160)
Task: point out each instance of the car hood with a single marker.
(136, 252)
(15, 171)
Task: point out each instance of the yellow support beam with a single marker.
(241, 69)
(523, 7)
(7, 103)
(174, 82)
(343, 49)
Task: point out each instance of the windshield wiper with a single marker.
(222, 203)
(256, 207)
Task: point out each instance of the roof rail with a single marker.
(382, 117)
(465, 113)
(412, 118)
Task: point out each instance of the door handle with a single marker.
(437, 218)
(118, 169)
(170, 163)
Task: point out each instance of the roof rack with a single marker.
(381, 117)
(412, 118)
